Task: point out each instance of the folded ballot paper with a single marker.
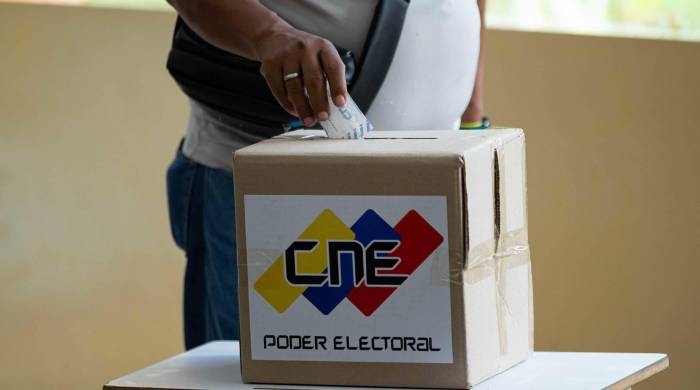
(399, 260)
(347, 122)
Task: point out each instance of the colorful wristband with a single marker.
(478, 125)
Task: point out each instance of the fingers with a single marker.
(315, 83)
(321, 70)
(275, 80)
(295, 94)
(334, 68)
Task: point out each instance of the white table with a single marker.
(216, 366)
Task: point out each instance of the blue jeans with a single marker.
(201, 205)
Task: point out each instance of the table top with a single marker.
(216, 366)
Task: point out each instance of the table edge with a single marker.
(641, 375)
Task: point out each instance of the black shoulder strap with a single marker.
(382, 41)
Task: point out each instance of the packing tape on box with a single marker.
(511, 245)
(506, 250)
(484, 260)
(487, 260)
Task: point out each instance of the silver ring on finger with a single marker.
(290, 76)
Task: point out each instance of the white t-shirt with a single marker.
(428, 86)
(431, 78)
(343, 22)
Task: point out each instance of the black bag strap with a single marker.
(380, 47)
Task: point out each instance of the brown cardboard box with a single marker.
(399, 260)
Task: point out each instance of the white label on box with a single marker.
(348, 278)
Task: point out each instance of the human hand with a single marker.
(285, 51)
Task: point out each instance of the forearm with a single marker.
(296, 65)
(234, 26)
(474, 111)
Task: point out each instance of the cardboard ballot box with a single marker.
(398, 260)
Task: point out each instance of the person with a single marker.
(434, 82)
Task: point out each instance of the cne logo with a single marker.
(364, 263)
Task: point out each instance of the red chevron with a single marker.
(418, 241)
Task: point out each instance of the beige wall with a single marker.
(91, 283)
(613, 133)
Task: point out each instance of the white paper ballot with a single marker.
(346, 122)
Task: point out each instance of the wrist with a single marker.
(473, 113)
(271, 31)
